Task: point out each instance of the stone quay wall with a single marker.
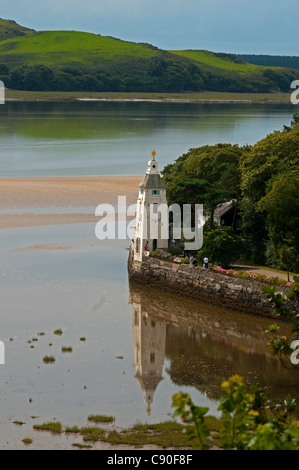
(206, 285)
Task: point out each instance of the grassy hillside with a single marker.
(10, 29)
(74, 47)
(227, 62)
(71, 47)
(79, 61)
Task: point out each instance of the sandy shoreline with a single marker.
(74, 197)
(153, 100)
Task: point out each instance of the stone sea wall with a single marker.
(243, 295)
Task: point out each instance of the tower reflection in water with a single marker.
(204, 345)
(149, 349)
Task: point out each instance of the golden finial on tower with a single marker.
(154, 154)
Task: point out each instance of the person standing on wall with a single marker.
(206, 262)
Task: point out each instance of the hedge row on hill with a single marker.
(153, 75)
(270, 60)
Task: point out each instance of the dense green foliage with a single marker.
(250, 421)
(79, 61)
(139, 75)
(263, 180)
(222, 246)
(208, 175)
(287, 349)
(269, 207)
(235, 75)
(270, 60)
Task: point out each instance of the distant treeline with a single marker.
(291, 62)
(143, 75)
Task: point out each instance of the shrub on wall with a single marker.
(222, 246)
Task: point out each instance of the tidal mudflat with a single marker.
(119, 350)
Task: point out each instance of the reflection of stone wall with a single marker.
(206, 344)
(204, 362)
(203, 284)
(242, 331)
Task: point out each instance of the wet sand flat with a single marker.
(19, 196)
(28, 219)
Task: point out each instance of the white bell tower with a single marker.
(152, 220)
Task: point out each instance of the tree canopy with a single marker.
(222, 246)
(209, 175)
(262, 179)
(274, 158)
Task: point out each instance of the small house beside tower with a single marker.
(152, 226)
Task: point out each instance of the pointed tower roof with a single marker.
(152, 178)
(148, 386)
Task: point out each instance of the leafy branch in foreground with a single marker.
(281, 346)
(249, 420)
(196, 429)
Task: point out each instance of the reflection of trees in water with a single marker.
(206, 344)
(204, 361)
(84, 120)
(72, 120)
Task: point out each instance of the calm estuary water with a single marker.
(141, 346)
(132, 347)
(100, 138)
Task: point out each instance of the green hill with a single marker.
(10, 29)
(227, 62)
(71, 47)
(80, 61)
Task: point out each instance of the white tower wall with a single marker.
(152, 223)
